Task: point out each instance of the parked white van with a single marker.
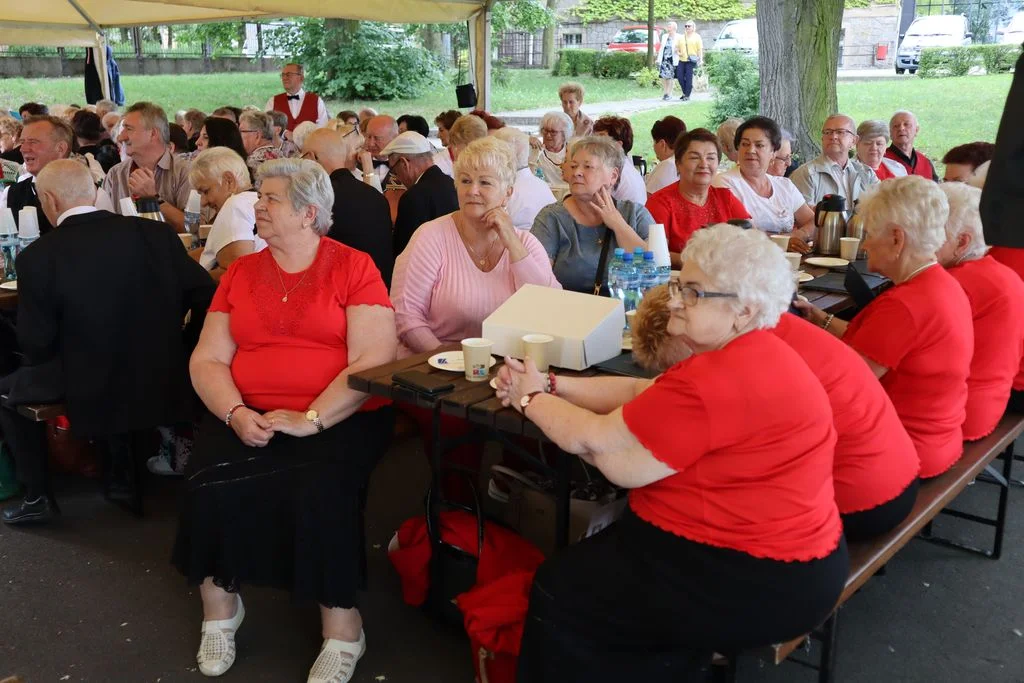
(738, 35)
(942, 30)
(1013, 34)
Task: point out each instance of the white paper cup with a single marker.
(794, 260)
(782, 241)
(537, 346)
(204, 230)
(128, 207)
(476, 356)
(186, 239)
(28, 223)
(848, 247)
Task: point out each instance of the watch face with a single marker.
(524, 401)
(312, 415)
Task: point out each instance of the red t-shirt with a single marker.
(1014, 260)
(682, 217)
(751, 443)
(921, 331)
(997, 305)
(883, 172)
(289, 351)
(875, 460)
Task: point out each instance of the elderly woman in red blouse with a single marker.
(274, 486)
(917, 336)
(875, 467)
(731, 538)
(693, 203)
(996, 294)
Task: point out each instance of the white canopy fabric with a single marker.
(82, 22)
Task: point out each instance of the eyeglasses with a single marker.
(691, 295)
(783, 160)
(247, 130)
(550, 131)
(840, 132)
(290, 73)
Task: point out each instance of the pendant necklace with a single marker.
(281, 279)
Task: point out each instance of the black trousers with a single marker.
(684, 74)
(27, 441)
(860, 526)
(635, 603)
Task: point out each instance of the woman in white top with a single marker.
(631, 184)
(530, 194)
(549, 154)
(221, 178)
(665, 133)
(774, 203)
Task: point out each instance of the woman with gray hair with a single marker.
(221, 178)
(590, 222)
(871, 145)
(996, 294)
(771, 553)
(917, 336)
(275, 483)
(549, 152)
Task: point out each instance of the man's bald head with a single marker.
(62, 185)
(838, 137)
(326, 147)
(379, 132)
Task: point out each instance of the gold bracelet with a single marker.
(828, 321)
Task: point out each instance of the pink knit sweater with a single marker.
(439, 293)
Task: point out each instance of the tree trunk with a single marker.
(798, 42)
(549, 38)
(170, 36)
(339, 32)
(650, 33)
(432, 40)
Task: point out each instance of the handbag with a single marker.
(600, 287)
(453, 570)
(529, 507)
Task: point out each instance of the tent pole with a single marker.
(480, 34)
(92, 24)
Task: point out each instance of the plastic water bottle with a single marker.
(8, 242)
(616, 258)
(192, 209)
(630, 283)
(664, 274)
(648, 273)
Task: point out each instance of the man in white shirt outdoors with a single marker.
(664, 133)
(530, 194)
(834, 172)
(295, 102)
(44, 139)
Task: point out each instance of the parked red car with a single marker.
(634, 39)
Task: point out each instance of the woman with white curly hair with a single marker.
(274, 487)
(731, 538)
(996, 294)
(917, 336)
(548, 154)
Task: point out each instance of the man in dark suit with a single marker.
(361, 215)
(1002, 199)
(101, 301)
(430, 192)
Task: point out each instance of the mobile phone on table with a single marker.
(423, 382)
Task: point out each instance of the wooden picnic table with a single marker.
(8, 299)
(476, 403)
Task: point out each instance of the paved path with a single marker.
(528, 119)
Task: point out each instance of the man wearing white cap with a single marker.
(430, 193)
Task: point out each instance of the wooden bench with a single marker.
(870, 557)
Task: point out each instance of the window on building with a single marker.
(572, 39)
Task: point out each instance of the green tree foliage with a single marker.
(223, 36)
(364, 60)
(636, 10)
(737, 86)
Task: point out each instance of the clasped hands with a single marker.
(517, 379)
(256, 429)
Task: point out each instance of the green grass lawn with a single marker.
(951, 110)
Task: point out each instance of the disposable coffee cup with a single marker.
(476, 357)
(128, 207)
(186, 239)
(7, 224)
(537, 347)
(848, 247)
(794, 260)
(204, 230)
(28, 223)
(782, 241)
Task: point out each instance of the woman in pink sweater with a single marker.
(459, 268)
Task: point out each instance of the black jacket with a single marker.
(431, 197)
(1002, 201)
(101, 302)
(362, 220)
(24, 194)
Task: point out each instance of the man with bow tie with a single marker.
(295, 102)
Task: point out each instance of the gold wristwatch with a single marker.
(314, 417)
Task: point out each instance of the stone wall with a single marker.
(865, 29)
(54, 67)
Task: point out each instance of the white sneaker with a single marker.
(337, 660)
(217, 648)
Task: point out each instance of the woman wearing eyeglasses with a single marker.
(731, 538)
(547, 157)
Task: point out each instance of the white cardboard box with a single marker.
(587, 329)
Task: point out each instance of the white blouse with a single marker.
(771, 214)
(236, 221)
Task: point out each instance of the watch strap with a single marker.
(530, 396)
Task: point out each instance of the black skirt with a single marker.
(867, 524)
(638, 603)
(289, 515)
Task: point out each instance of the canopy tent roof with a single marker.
(76, 22)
